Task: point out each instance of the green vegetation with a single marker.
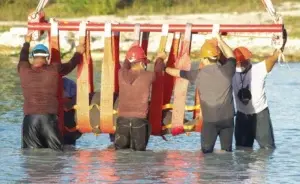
(19, 9)
(10, 9)
(4, 28)
(292, 25)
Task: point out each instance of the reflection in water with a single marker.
(241, 166)
(125, 166)
(92, 166)
(43, 166)
(182, 167)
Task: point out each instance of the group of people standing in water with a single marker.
(226, 74)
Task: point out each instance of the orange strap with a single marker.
(83, 87)
(165, 107)
(107, 84)
(168, 79)
(181, 85)
(55, 58)
(89, 61)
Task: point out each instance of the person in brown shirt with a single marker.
(39, 82)
(132, 126)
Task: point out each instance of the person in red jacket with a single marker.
(39, 82)
(132, 126)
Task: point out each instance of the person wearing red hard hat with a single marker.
(132, 126)
(39, 82)
(253, 117)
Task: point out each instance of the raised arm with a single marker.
(24, 54)
(66, 68)
(189, 75)
(173, 72)
(270, 61)
(226, 50)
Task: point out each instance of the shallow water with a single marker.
(178, 160)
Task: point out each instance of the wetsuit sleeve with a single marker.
(189, 75)
(24, 56)
(229, 67)
(66, 68)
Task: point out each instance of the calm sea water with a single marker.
(178, 160)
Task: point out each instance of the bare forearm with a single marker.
(173, 72)
(270, 61)
(226, 50)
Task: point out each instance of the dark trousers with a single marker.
(41, 131)
(255, 126)
(69, 121)
(210, 132)
(132, 133)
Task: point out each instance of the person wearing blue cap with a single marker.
(39, 82)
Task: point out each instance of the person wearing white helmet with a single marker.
(39, 82)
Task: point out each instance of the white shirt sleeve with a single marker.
(260, 69)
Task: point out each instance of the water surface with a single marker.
(178, 160)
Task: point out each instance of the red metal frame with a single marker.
(92, 26)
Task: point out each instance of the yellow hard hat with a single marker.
(209, 49)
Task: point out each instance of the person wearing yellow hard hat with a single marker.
(213, 82)
(253, 121)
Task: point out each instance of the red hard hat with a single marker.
(136, 54)
(242, 54)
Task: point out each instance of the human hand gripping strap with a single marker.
(279, 41)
